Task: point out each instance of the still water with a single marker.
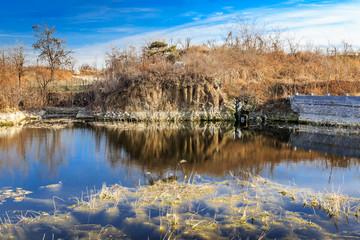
(82, 158)
(86, 157)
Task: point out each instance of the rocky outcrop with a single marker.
(164, 116)
(188, 98)
(10, 119)
(51, 113)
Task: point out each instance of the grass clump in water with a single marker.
(17, 194)
(252, 207)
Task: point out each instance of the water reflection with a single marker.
(215, 151)
(341, 145)
(43, 146)
(208, 149)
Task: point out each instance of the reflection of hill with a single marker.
(207, 150)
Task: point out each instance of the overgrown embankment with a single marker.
(255, 68)
(180, 97)
(193, 82)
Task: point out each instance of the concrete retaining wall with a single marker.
(341, 110)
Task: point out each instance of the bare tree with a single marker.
(52, 49)
(86, 66)
(187, 42)
(119, 62)
(17, 57)
(72, 62)
(293, 44)
(3, 63)
(42, 79)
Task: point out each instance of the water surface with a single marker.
(83, 158)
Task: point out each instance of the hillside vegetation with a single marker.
(251, 62)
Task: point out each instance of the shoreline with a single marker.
(241, 112)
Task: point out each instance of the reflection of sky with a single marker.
(82, 166)
(81, 160)
(314, 176)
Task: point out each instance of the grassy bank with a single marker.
(252, 62)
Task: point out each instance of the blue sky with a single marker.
(91, 27)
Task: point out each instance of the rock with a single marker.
(41, 113)
(179, 64)
(11, 119)
(258, 119)
(85, 114)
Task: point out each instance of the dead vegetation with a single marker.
(252, 61)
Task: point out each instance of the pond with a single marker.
(58, 165)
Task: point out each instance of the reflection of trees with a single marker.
(50, 151)
(159, 149)
(208, 150)
(43, 145)
(12, 150)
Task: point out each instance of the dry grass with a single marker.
(94, 200)
(334, 205)
(253, 61)
(32, 93)
(233, 69)
(252, 204)
(194, 208)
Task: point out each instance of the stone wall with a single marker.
(338, 110)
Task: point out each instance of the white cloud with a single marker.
(322, 24)
(319, 23)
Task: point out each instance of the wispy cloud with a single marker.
(129, 30)
(228, 8)
(320, 23)
(189, 14)
(292, 2)
(10, 35)
(107, 13)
